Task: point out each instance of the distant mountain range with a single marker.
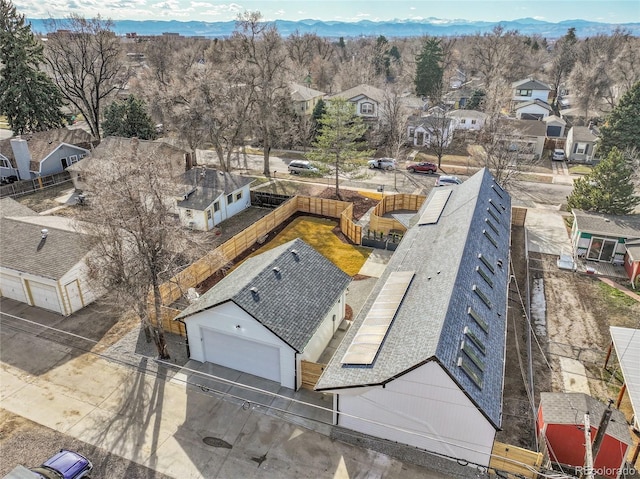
(392, 28)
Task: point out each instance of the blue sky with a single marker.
(608, 11)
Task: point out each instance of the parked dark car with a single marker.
(422, 167)
(64, 465)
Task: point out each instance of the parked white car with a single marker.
(558, 155)
(383, 163)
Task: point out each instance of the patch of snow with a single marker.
(539, 307)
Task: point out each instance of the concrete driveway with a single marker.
(546, 232)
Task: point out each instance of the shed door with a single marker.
(44, 296)
(244, 355)
(73, 293)
(11, 287)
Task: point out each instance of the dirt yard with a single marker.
(579, 310)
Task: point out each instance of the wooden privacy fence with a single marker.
(24, 187)
(514, 460)
(377, 221)
(311, 372)
(518, 215)
(220, 257)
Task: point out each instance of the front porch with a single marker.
(600, 268)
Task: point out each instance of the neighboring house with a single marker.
(532, 110)
(429, 130)
(561, 426)
(273, 311)
(42, 260)
(581, 144)
(608, 238)
(367, 99)
(209, 197)
(178, 160)
(467, 119)
(530, 89)
(525, 136)
(304, 98)
(423, 362)
(555, 126)
(43, 153)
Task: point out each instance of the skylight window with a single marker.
(490, 238)
(493, 215)
(475, 340)
(484, 275)
(478, 319)
(469, 370)
(492, 226)
(487, 263)
(485, 299)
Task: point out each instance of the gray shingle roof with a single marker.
(208, 187)
(570, 408)
(584, 133)
(10, 207)
(19, 249)
(530, 84)
(369, 91)
(515, 127)
(291, 302)
(535, 101)
(622, 226)
(303, 93)
(430, 322)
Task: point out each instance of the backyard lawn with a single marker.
(318, 232)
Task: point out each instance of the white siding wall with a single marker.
(423, 408)
(199, 219)
(224, 318)
(87, 295)
(314, 349)
(238, 205)
(539, 94)
(532, 110)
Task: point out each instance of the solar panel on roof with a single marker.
(366, 343)
(433, 210)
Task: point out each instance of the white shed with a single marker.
(42, 263)
(275, 310)
(423, 363)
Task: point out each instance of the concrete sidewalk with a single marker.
(182, 430)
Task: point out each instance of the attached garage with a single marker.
(42, 260)
(273, 311)
(11, 287)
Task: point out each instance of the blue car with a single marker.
(64, 465)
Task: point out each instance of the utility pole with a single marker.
(588, 456)
(602, 428)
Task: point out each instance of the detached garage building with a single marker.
(273, 311)
(40, 264)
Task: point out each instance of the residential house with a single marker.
(269, 314)
(532, 110)
(430, 130)
(423, 362)
(530, 89)
(467, 119)
(555, 126)
(367, 99)
(304, 98)
(208, 197)
(608, 238)
(561, 429)
(43, 153)
(581, 144)
(527, 137)
(177, 159)
(42, 260)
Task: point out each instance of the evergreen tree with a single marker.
(28, 97)
(476, 101)
(337, 142)
(128, 119)
(607, 189)
(622, 128)
(429, 70)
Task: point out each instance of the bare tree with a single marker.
(259, 48)
(501, 150)
(86, 62)
(137, 241)
(393, 123)
(440, 131)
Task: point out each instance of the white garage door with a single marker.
(11, 287)
(237, 353)
(45, 296)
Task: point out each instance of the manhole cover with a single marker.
(216, 442)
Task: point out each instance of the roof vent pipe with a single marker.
(44, 232)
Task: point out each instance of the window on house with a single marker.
(73, 159)
(230, 198)
(473, 122)
(463, 121)
(411, 132)
(366, 108)
(188, 213)
(4, 163)
(239, 196)
(209, 214)
(524, 92)
(580, 148)
(216, 206)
